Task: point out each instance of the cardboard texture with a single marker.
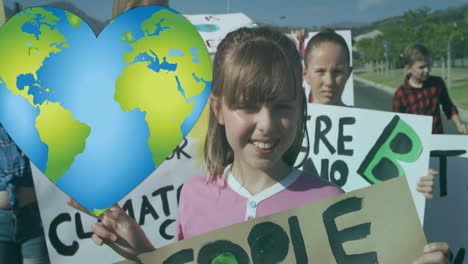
(377, 223)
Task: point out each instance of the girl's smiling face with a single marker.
(260, 134)
(326, 72)
(258, 105)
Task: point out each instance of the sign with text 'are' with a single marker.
(354, 148)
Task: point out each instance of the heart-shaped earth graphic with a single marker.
(98, 115)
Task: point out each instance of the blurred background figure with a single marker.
(21, 235)
(298, 37)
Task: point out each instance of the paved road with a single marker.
(366, 96)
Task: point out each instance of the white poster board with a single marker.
(355, 148)
(446, 215)
(213, 28)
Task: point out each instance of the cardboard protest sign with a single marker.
(349, 228)
(153, 204)
(213, 28)
(446, 214)
(355, 148)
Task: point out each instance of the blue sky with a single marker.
(297, 13)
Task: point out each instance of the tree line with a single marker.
(444, 33)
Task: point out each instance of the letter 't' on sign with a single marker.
(398, 142)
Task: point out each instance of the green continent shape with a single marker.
(26, 54)
(158, 96)
(22, 58)
(182, 35)
(64, 142)
(225, 258)
(73, 19)
(128, 37)
(98, 212)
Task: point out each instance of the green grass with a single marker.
(458, 92)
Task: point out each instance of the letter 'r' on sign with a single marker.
(398, 142)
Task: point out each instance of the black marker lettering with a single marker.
(401, 144)
(385, 169)
(268, 243)
(398, 141)
(342, 138)
(163, 229)
(179, 150)
(340, 167)
(178, 193)
(324, 170)
(297, 240)
(79, 228)
(337, 238)
(320, 135)
(459, 258)
(163, 193)
(310, 167)
(128, 208)
(146, 208)
(442, 155)
(62, 249)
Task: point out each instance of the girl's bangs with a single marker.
(259, 74)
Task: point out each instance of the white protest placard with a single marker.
(446, 216)
(213, 28)
(354, 148)
(153, 204)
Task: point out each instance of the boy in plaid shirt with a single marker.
(422, 93)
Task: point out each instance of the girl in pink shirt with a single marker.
(256, 127)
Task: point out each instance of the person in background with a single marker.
(21, 235)
(326, 70)
(298, 37)
(422, 93)
(327, 67)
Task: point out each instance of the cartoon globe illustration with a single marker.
(98, 115)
